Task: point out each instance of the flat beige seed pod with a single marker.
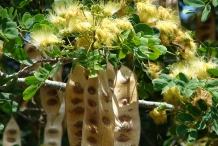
(74, 95)
(125, 105)
(91, 134)
(53, 131)
(106, 107)
(51, 98)
(11, 135)
(34, 56)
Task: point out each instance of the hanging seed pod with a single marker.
(106, 108)
(11, 135)
(34, 56)
(111, 75)
(91, 133)
(125, 105)
(75, 105)
(53, 131)
(51, 98)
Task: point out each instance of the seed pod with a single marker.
(51, 98)
(75, 105)
(53, 131)
(125, 105)
(106, 108)
(92, 124)
(34, 56)
(11, 134)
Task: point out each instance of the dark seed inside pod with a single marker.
(51, 102)
(122, 138)
(91, 90)
(79, 133)
(11, 139)
(92, 140)
(76, 101)
(78, 124)
(106, 120)
(12, 131)
(52, 92)
(77, 88)
(79, 110)
(52, 143)
(92, 103)
(52, 131)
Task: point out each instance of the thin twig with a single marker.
(25, 40)
(178, 45)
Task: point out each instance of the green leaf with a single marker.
(192, 136)
(39, 76)
(30, 92)
(93, 74)
(143, 41)
(5, 106)
(185, 117)
(24, 3)
(213, 71)
(211, 83)
(215, 128)
(134, 19)
(11, 33)
(183, 77)
(56, 51)
(200, 125)
(144, 28)
(159, 84)
(55, 69)
(205, 13)
(188, 11)
(172, 129)
(193, 110)
(161, 48)
(153, 56)
(165, 77)
(43, 71)
(202, 104)
(188, 93)
(215, 3)
(195, 3)
(14, 106)
(38, 17)
(26, 16)
(48, 67)
(142, 94)
(181, 130)
(32, 80)
(1, 126)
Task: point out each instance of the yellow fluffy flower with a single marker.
(154, 69)
(193, 68)
(147, 12)
(44, 37)
(202, 94)
(173, 96)
(159, 117)
(111, 8)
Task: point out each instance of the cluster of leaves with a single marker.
(207, 4)
(192, 122)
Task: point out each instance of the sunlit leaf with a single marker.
(30, 92)
(206, 13)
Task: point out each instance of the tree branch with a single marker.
(61, 86)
